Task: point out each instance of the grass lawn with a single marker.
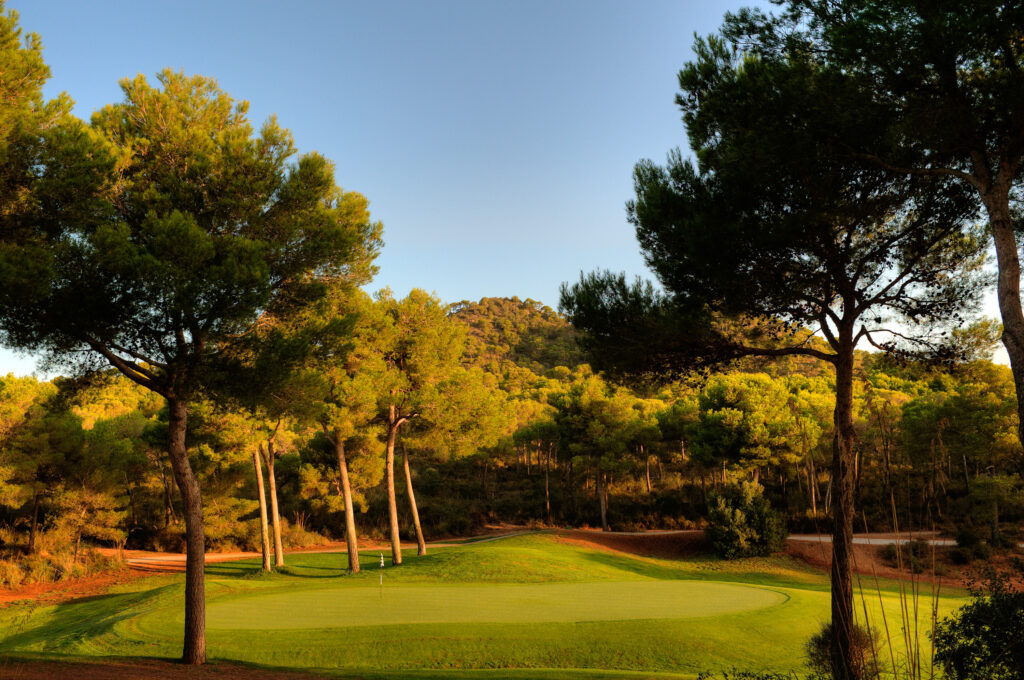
(526, 606)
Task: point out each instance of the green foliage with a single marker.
(523, 332)
(741, 523)
(914, 555)
(865, 653)
(980, 640)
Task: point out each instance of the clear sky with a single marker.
(495, 139)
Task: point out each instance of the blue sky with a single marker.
(494, 139)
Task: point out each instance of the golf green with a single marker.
(506, 603)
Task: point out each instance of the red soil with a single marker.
(139, 669)
(71, 589)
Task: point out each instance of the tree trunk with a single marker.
(812, 482)
(842, 653)
(275, 516)
(169, 514)
(1008, 290)
(602, 498)
(264, 531)
(194, 651)
(547, 484)
(350, 518)
(133, 516)
(647, 469)
(35, 524)
(396, 547)
(421, 545)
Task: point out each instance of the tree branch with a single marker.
(130, 369)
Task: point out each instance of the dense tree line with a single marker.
(935, 448)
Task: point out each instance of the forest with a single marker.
(511, 426)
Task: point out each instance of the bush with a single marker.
(742, 524)
(982, 551)
(912, 555)
(961, 556)
(865, 653)
(967, 536)
(11, 575)
(980, 641)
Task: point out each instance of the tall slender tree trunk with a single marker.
(421, 545)
(35, 524)
(842, 653)
(264, 531)
(389, 465)
(169, 514)
(194, 651)
(351, 543)
(647, 468)
(547, 484)
(133, 515)
(275, 516)
(602, 498)
(812, 483)
(1004, 236)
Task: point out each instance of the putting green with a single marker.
(496, 603)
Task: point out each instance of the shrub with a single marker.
(961, 556)
(967, 536)
(11, 575)
(741, 523)
(912, 555)
(865, 653)
(982, 551)
(297, 536)
(919, 549)
(980, 640)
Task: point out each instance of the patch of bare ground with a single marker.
(139, 669)
(867, 561)
(670, 545)
(69, 589)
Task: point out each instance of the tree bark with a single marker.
(35, 524)
(812, 482)
(1008, 291)
(275, 517)
(647, 468)
(547, 484)
(169, 514)
(842, 652)
(396, 547)
(351, 542)
(264, 531)
(602, 497)
(194, 651)
(421, 545)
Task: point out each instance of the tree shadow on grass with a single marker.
(636, 567)
(76, 621)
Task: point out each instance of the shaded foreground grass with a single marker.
(460, 609)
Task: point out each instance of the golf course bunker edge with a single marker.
(493, 603)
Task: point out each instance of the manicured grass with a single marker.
(526, 606)
(491, 603)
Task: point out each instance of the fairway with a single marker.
(516, 606)
(508, 603)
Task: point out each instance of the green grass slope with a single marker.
(527, 606)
